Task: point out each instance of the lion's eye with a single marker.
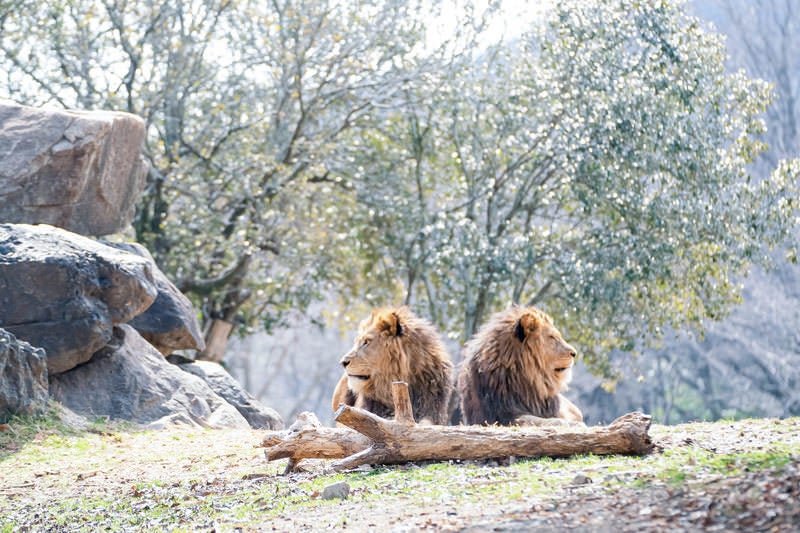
(365, 342)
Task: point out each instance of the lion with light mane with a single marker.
(395, 345)
(514, 370)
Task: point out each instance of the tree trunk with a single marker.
(216, 340)
(380, 441)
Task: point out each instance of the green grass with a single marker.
(690, 466)
(21, 429)
(48, 430)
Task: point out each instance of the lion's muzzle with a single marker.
(569, 362)
(345, 362)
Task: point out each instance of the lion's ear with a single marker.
(519, 330)
(526, 324)
(390, 323)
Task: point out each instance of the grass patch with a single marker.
(693, 464)
(21, 429)
(51, 433)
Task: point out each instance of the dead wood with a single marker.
(375, 440)
(307, 438)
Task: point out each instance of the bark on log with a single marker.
(403, 412)
(375, 440)
(393, 443)
(307, 438)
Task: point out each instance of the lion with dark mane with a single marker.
(395, 345)
(514, 370)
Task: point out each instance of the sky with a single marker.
(511, 20)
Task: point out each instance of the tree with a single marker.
(245, 103)
(754, 349)
(596, 167)
(762, 35)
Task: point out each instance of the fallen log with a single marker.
(375, 440)
(307, 438)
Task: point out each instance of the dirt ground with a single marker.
(761, 500)
(203, 473)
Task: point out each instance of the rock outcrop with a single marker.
(82, 171)
(170, 323)
(64, 292)
(23, 377)
(222, 383)
(87, 323)
(130, 380)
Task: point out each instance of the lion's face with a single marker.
(542, 340)
(395, 345)
(516, 365)
(374, 356)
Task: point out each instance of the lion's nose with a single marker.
(573, 353)
(344, 362)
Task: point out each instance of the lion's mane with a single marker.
(516, 364)
(393, 344)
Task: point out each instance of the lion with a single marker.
(395, 345)
(514, 370)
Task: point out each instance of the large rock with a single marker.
(82, 171)
(171, 322)
(257, 415)
(131, 380)
(64, 292)
(23, 377)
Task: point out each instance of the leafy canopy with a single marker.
(596, 166)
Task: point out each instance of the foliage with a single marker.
(702, 376)
(596, 166)
(244, 104)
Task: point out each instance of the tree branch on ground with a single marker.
(370, 439)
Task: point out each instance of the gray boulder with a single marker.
(171, 322)
(79, 170)
(64, 292)
(130, 380)
(257, 415)
(23, 377)
(337, 491)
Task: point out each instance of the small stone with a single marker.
(581, 479)
(337, 491)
